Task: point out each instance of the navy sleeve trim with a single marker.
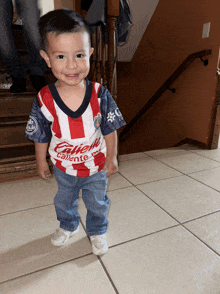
(38, 128)
(112, 118)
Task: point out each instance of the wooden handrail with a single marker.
(138, 119)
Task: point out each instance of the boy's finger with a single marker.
(104, 168)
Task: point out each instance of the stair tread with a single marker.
(16, 145)
(14, 160)
(5, 93)
(10, 123)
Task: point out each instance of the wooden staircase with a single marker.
(17, 156)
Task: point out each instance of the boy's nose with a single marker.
(71, 64)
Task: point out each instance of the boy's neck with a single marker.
(67, 88)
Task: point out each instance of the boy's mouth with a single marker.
(72, 76)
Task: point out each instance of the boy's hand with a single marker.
(43, 170)
(112, 165)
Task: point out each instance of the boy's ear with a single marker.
(45, 57)
(91, 51)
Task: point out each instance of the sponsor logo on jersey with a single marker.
(67, 148)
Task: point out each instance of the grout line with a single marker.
(147, 235)
(102, 264)
(202, 216)
(27, 209)
(108, 275)
(211, 168)
(203, 183)
(45, 268)
(144, 182)
(185, 174)
(182, 224)
(159, 206)
(213, 250)
(205, 156)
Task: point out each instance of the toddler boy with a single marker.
(79, 118)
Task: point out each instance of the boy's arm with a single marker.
(111, 157)
(42, 165)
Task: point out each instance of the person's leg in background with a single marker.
(29, 13)
(8, 51)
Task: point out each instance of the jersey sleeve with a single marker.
(38, 128)
(112, 118)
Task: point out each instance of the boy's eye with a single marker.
(80, 55)
(60, 57)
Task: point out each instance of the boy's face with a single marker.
(68, 57)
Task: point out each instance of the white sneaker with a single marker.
(99, 244)
(61, 236)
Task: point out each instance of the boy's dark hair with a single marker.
(61, 21)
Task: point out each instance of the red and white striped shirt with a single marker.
(77, 144)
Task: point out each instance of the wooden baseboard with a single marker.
(192, 142)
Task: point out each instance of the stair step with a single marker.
(13, 172)
(16, 104)
(11, 134)
(13, 123)
(13, 151)
(20, 169)
(16, 119)
(17, 159)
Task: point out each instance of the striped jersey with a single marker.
(77, 144)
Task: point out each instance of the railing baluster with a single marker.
(103, 60)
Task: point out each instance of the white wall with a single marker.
(46, 5)
(141, 13)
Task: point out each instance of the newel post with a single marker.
(112, 15)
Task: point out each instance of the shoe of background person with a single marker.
(18, 85)
(99, 244)
(38, 82)
(61, 236)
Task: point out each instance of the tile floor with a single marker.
(164, 231)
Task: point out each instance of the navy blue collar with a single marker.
(66, 109)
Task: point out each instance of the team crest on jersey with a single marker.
(32, 125)
(97, 121)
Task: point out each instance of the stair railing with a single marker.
(133, 125)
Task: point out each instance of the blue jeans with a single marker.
(30, 14)
(93, 195)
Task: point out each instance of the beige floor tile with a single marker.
(131, 156)
(212, 154)
(26, 243)
(209, 177)
(132, 215)
(117, 181)
(81, 276)
(171, 261)
(27, 193)
(146, 170)
(188, 162)
(207, 229)
(183, 197)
